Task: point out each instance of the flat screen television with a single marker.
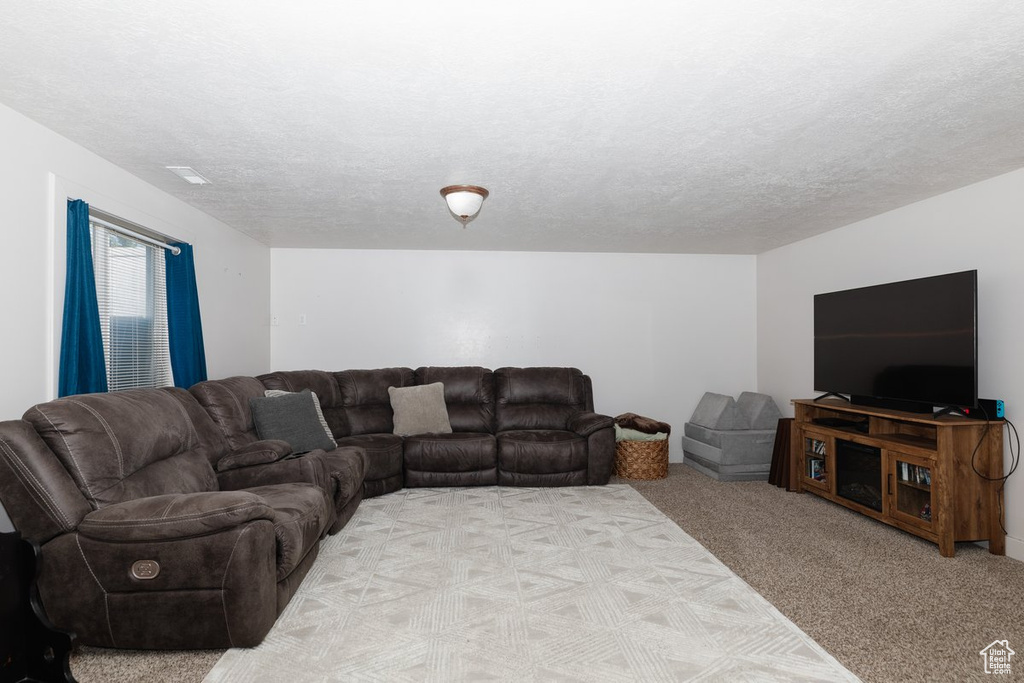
(909, 345)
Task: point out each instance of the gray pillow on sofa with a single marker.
(290, 418)
(420, 410)
(272, 393)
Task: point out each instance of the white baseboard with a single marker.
(1015, 548)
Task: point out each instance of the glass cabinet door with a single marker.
(816, 467)
(911, 490)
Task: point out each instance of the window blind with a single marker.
(131, 292)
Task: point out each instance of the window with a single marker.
(132, 298)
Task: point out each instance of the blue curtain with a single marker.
(82, 368)
(184, 326)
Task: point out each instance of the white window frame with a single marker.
(132, 297)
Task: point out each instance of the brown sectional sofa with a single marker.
(165, 522)
(512, 426)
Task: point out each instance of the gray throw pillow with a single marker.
(290, 418)
(316, 404)
(420, 410)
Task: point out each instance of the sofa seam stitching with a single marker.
(110, 434)
(168, 520)
(295, 521)
(233, 398)
(71, 453)
(223, 582)
(16, 464)
(106, 600)
(193, 432)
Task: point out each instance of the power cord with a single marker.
(1014, 460)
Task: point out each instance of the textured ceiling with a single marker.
(702, 127)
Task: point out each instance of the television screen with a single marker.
(914, 341)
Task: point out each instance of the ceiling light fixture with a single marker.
(188, 174)
(464, 201)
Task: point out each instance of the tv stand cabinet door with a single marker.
(816, 462)
(909, 486)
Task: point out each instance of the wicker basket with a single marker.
(641, 459)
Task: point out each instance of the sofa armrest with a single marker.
(174, 516)
(307, 468)
(586, 424)
(255, 453)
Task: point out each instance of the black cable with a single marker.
(1014, 457)
(981, 440)
(1014, 462)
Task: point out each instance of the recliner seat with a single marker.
(469, 455)
(548, 434)
(142, 545)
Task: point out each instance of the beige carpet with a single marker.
(883, 602)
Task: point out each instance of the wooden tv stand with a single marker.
(923, 482)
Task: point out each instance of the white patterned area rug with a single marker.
(524, 584)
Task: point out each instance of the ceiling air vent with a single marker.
(188, 174)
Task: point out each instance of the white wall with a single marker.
(653, 331)
(976, 227)
(39, 170)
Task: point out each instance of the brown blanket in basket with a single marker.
(642, 424)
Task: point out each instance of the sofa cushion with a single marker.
(468, 395)
(131, 444)
(541, 452)
(301, 513)
(365, 399)
(718, 411)
(227, 402)
(538, 398)
(383, 454)
(459, 452)
(420, 410)
(274, 393)
(291, 418)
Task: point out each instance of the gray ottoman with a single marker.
(732, 440)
